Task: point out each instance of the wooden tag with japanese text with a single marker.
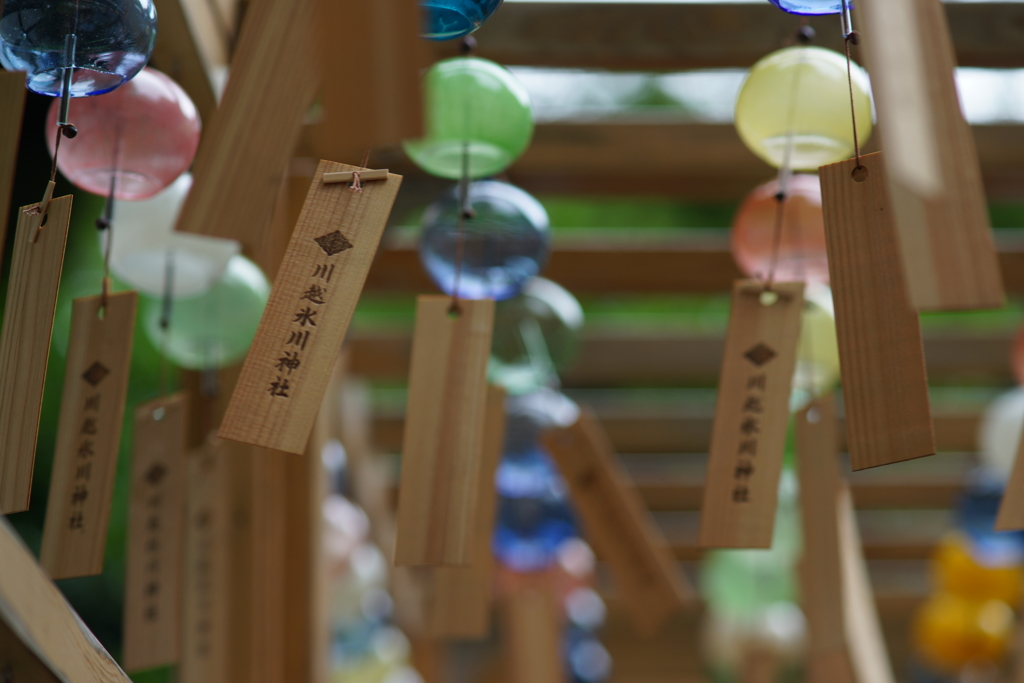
(38, 628)
(88, 435)
(1011, 509)
(205, 579)
(286, 373)
(12, 108)
(616, 522)
(460, 599)
(443, 442)
(156, 518)
(934, 178)
(25, 346)
(532, 636)
(751, 416)
(885, 383)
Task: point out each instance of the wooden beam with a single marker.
(673, 37)
(693, 262)
(611, 358)
(683, 428)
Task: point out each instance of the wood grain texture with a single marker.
(192, 48)
(12, 108)
(156, 519)
(821, 569)
(379, 103)
(616, 522)
(17, 659)
(751, 417)
(36, 612)
(88, 435)
(934, 177)
(1011, 509)
(248, 142)
(865, 641)
(460, 597)
(885, 385)
(25, 347)
(532, 636)
(444, 430)
(282, 384)
(205, 580)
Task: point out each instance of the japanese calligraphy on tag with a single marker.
(88, 435)
(317, 287)
(751, 417)
(152, 623)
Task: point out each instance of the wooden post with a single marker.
(36, 620)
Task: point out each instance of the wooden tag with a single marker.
(46, 631)
(248, 143)
(386, 85)
(751, 417)
(286, 373)
(460, 603)
(205, 582)
(817, 450)
(938, 200)
(845, 637)
(885, 383)
(533, 635)
(759, 665)
(444, 429)
(618, 525)
(865, 641)
(156, 517)
(12, 108)
(25, 346)
(88, 435)
(1011, 509)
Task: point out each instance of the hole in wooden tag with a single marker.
(813, 416)
(860, 174)
(159, 414)
(769, 298)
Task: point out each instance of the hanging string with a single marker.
(64, 129)
(805, 35)
(166, 308)
(851, 37)
(106, 221)
(464, 212)
(357, 182)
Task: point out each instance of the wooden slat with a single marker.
(651, 358)
(249, 140)
(25, 347)
(12, 107)
(668, 36)
(33, 608)
(656, 428)
(699, 264)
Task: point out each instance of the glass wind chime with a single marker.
(793, 112)
(489, 239)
